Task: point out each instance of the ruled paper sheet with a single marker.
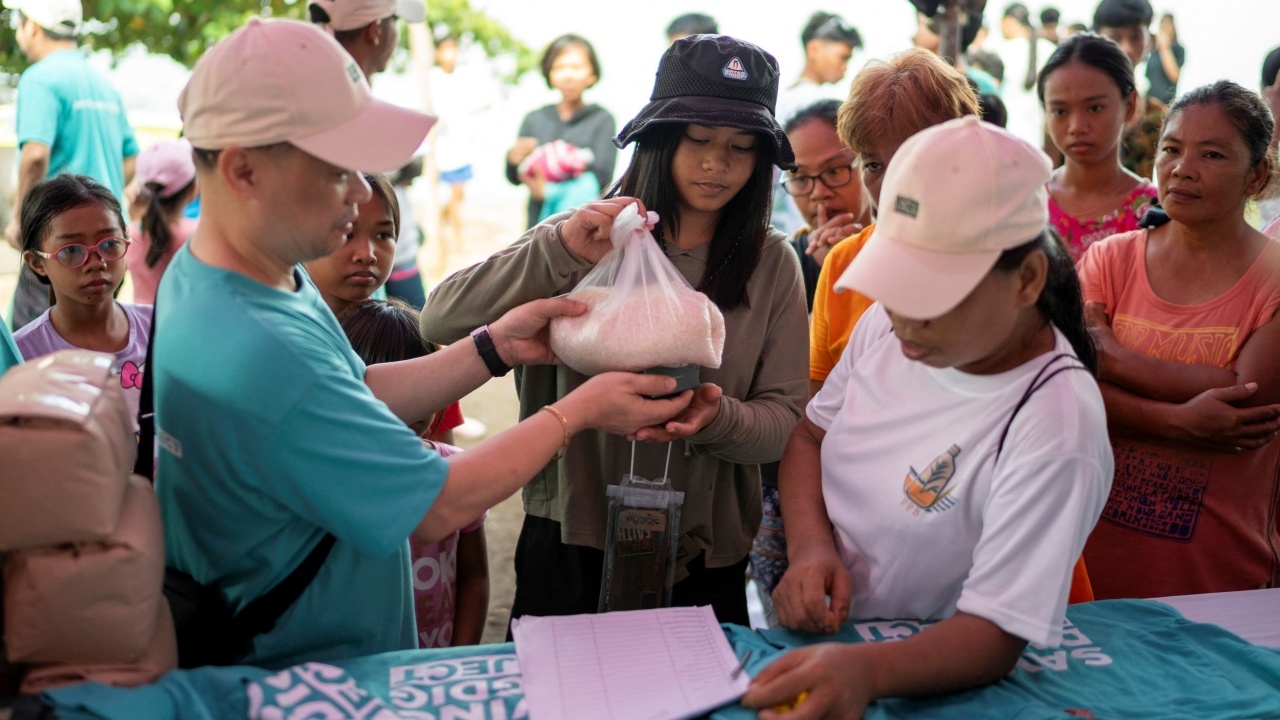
(663, 664)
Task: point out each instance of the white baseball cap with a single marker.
(954, 198)
(352, 14)
(63, 17)
(275, 81)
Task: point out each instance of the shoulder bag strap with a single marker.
(145, 465)
(1037, 382)
(260, 616)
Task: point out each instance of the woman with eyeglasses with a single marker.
(73, 239)
(825, 186)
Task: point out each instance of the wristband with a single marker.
(489, 353)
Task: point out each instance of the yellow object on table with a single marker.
(788, 707)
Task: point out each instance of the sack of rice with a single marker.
(642, 313)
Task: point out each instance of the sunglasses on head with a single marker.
(73, 255)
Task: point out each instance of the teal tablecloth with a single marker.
(1119, 659)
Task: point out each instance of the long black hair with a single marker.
(155, 221)
(50, 198)
(1096, 51)
(1061, 301)
(744, 221)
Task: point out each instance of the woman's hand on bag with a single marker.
(586, 232)
(835, 679)
(620, 403)
(521, 337)
(701, 412)
(801, 597)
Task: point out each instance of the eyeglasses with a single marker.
(73, 255)
(801, 185)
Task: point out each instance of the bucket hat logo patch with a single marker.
(734, 69)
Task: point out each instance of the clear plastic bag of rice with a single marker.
(643, 313)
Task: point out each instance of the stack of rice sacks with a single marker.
(84, 546)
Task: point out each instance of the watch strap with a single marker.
(488, 352)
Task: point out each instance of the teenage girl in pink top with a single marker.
(167, 185)
(1088, 90)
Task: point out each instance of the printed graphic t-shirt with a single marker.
(38, 338)
(928, 515)
(435, 578)
(1183, 521)
(65, 105)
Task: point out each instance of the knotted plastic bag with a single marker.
(643, 314)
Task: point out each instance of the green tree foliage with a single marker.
(184, 29)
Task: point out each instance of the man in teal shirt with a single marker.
(272, 432)
(69, 119)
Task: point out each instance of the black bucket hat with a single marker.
(715, 80)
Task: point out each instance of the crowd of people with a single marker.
(972, 374)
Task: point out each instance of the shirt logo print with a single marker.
(931, 489)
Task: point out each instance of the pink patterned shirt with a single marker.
(435, 575)
(1080, 234)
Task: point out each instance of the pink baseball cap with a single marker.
(955, 197)
(274, 81)
(169, 164)
(352, 14)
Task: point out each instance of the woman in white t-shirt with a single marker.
(956, 459)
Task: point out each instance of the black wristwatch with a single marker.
(489, 353)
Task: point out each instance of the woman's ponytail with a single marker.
(1061, 302)
(155, 220)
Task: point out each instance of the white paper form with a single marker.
(663, 664)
